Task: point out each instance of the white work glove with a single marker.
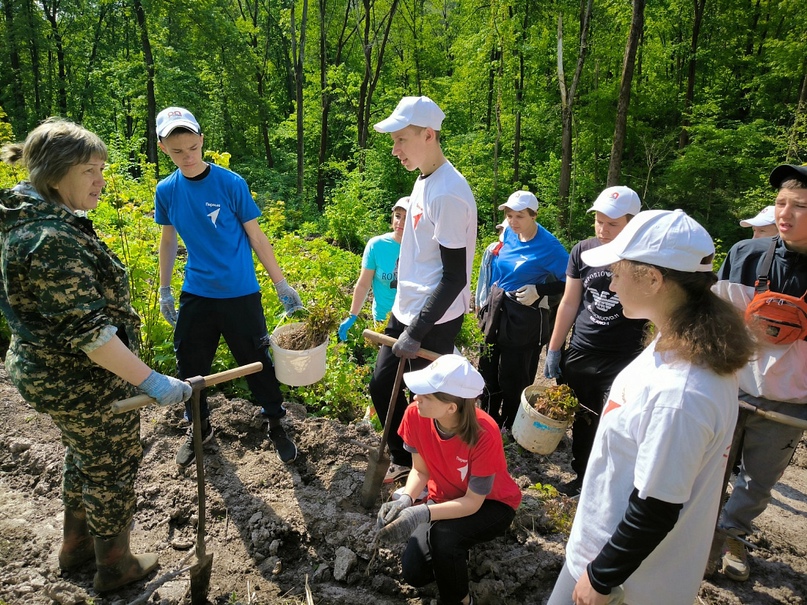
(527, 295)
(552, 364)
(288, 297)
(390, 510)
(165, 389)
(168, 307)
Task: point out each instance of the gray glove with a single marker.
(390, 510)
(404, 526)
(165, 389)
(168, 307)
(552, 364)
(527, 295)
(406, 347)
(288, 297)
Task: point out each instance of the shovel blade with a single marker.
(200, 579)
(377, 465)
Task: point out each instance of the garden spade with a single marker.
(201, 570)
(378, 460)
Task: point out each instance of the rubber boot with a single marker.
(117, 566)
(77, 544)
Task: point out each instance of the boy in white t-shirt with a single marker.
(434, 269)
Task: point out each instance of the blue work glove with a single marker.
(288, 297)
(552, 364)
(389, 511)
(165, 389)
(345, 326)
(168, 307)
(406, 347)
(404, 525)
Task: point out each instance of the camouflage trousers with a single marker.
(102, 449)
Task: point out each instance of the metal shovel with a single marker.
(378, 460)
(201, 570)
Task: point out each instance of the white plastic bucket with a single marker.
(534, 431)
(297, 368)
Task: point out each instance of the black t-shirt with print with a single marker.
(600, 326)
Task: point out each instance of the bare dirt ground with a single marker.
(273, 528)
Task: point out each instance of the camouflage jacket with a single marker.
(64, 292)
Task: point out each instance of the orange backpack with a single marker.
(777, 318)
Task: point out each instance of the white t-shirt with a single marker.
(666, 430)
(442, 212)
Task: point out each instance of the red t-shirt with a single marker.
(451, 462)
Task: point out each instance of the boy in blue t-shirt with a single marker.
(212, 210)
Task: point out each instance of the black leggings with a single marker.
(439, 551)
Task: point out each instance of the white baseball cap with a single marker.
(452, 374)
(665, 238)
(402, 203)
(171, 118)
(763, 219)
(617, 201)
(413, 111)
(521, 200)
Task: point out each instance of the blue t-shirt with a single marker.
(521, 263)
(209, 215)
(381, 255)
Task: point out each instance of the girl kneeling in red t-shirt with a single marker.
(457, 452)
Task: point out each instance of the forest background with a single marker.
(689, 102)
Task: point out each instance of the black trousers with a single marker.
(439, 339)
(203, 321)
(507, 372)
(590, 377)
(439, 551)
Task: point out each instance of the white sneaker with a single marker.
(396, 495)
(396, 472)
(735, 560)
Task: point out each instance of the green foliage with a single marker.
(6, 133)
(558, 509)
(349, 215)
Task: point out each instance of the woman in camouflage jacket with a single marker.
(74, 335)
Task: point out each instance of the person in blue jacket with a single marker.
(528, 267)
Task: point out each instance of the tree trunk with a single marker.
(325, 106)
(618, 147)
(567, 98)
(798, 133)
(17, 109)
(372, 72)
(102, 13)
(37, 78)
(325, 96)
(298, 58)
(151, 102)
(51, 10)
(683, 138)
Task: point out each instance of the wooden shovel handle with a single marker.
(383, 339)
(139, 401)
(775, 416)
